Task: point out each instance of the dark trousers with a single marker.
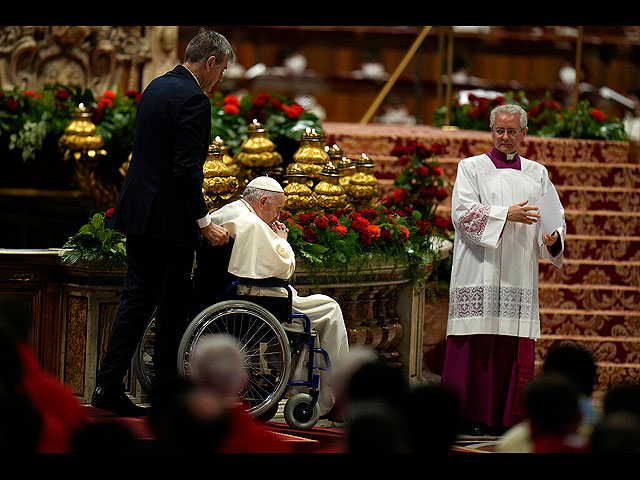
(158, 275)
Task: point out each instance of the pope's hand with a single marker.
(215, 234)
(280, 229)
(549, 240)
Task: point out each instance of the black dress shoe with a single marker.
(116, 402)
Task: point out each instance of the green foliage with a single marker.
(95, 241)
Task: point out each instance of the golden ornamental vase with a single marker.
(311, 156)
(219, 184)
(81, 143)
(363, 189)
(329, 192)
(347, 168)
(299, 198)
(257, 152)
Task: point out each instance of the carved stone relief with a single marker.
(95, 57)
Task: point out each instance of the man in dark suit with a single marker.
(162, 211)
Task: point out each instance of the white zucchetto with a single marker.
(266, 183)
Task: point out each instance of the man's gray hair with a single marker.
(219, 364)
(252, 194)
(206, 43)
(509, 109)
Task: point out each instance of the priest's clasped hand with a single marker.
(523, 214)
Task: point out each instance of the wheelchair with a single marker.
(271, 335)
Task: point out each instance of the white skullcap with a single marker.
(265, 183)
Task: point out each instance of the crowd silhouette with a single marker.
(381, 412)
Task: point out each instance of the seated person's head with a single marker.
(551, 402)
(218, 364)
(266, 196)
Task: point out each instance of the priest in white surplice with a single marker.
(493, 299)
(261, 250)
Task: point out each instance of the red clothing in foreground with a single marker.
(62, 415)
(248, 435)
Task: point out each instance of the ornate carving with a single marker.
(96, 57)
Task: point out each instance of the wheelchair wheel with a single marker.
(298, 412)
(263, 341)
(143, 358)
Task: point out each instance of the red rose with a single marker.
(105, 102)
(30, 93)
(404, 232)
(373, 231)
(441, 194)
(333, 220)
(597, 115)
(310, 235)
(340, 230)
(322, 223)
(231, 100)
(62, 94)
(305, 219)
(422, 171)
(423, 226)
(275, 103)
(437, 171)
(400, 195)
(11, 103)
(386, 235)
(109, 94)
(230, 109)
(293, 111)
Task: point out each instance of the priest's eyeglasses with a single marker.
(512, 132)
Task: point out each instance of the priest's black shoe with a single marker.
(116, 402)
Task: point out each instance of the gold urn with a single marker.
(80, 137)
(329, 192)
(311, 156)
(347, 168)
(81, 143)
(363, 189)
(299, 198)
(257, 152)
(219, 184)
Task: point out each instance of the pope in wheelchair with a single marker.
(256, 265)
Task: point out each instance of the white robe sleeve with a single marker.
(258, 252)
(558, 258)
(476, 222)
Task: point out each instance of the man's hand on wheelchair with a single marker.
(215, 234)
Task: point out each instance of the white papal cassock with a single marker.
(494, 280)
(258, 252)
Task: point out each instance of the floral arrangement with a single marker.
(546, 117)
(283, 118)
(420, 186)
(95, 241)
(351, 241)
(32, 122)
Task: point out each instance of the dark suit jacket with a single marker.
(162, 192)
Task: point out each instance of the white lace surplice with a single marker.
(494, 281)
